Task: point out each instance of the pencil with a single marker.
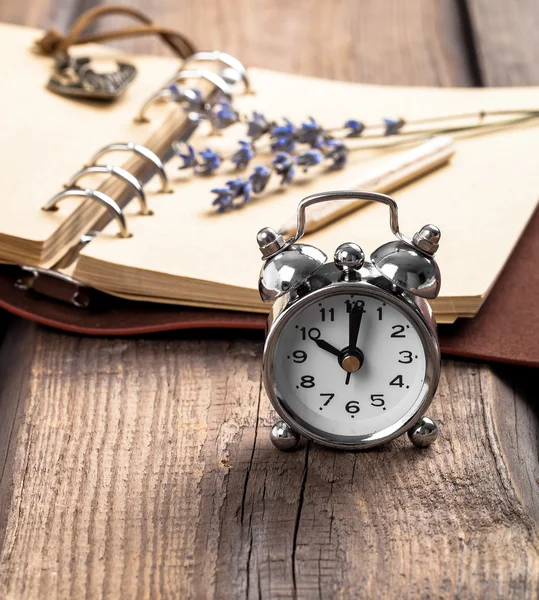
(400, 170)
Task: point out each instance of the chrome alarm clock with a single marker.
(351, 358)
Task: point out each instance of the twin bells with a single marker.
(408, 264)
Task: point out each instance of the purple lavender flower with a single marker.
(337, 152)
(210, 162)
(235, 188)
(283, 137)
(309, 159)
(393, 126)
(242, 188)
(257, 126)
(189, 159)
(242, 157)
(356, 128)
(259, 179)
(311, 133)
(283, 164)
(225, 115)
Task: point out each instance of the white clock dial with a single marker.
(314, 351)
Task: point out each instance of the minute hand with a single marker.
(356, 314)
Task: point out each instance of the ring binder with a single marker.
(56, 285)
(143, 152)
(55, 282)
(225, 59)
(107, 201)
(182, 75)
(118, 172)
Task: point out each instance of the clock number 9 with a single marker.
(299, 356)
(352, 407)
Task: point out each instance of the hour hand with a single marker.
(327, 347)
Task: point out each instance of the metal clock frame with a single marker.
(416, 309)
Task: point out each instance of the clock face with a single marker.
(349, 365)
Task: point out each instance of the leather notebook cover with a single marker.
(504, 330)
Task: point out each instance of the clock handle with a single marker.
(346, 195)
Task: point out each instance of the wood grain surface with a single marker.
(143, 468)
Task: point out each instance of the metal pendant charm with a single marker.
(74, 77)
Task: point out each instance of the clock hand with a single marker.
(327, 347)
(356, 314)
(348, 375)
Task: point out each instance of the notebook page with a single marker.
(46, 138)
(481, 202)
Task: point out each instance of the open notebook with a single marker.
(185, 253)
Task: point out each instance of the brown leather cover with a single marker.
(505, 330)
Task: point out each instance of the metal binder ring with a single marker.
(143, 152)
(224, 59)
(166, 94)
(118, 172)
(210, 76)
(102, 198)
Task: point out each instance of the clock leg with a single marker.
(283, 437)
(423, 433)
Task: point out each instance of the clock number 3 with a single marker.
(406, 357)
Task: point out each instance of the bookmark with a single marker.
(76, 77)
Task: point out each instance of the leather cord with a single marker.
(53, 41)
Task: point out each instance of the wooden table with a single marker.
(143, 468)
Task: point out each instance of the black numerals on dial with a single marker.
(398, 331)
(328, 313)
(379, 310)
(406, 357)
(312, 333)
(397, 381)
(299, 356)
(307, 381)
(329, 398)
(352, 304)
(378, 400)
(352, 407)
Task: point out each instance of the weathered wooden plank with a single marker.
(40, 13)
(506, 40)
(121, 463)
(393, 42)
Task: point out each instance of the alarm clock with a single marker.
(351, 358)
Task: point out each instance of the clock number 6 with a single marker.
(352, 407)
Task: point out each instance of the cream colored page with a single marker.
(45, 138)
(481, 202)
